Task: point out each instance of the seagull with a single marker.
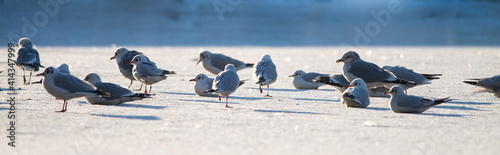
(354, 67)
(356, 95)
(265, 73)
(215, 63)
(146, 72)
(409, 75)
(225, 82)
(402, 103)
(303, 80)
(491, 85)
(118, 93)
(203, 83)
(66, 86)
(123, 56)
(28, 58)
(339, 82)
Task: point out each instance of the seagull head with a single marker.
(230, 67)
(138, 59)
(25, 42)
(396, 91)
(349, 57)
(93, 78)
(266, 58)
(119, 52)
(297, 73)
(203, 56)
(48, 72)
(199, 77)
(358, 82)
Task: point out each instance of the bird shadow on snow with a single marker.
(177, 93)
(473, 103)
(457, 107)
(289, 112)
(207, 101)
(141, 106)
(309, 99)
(441, 115)
(377, 108)
(151, 118)
(293, 90)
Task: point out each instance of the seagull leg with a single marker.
(227, 97)
(150, 86)
(267, 92)
(24, 76)
(29, 81)
(130, 83)
(140, 88)
(219, 97)
(260, 88)
(64, 106)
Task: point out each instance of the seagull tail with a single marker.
(431, 76)
(242, 82)
(472, 82)
(249, 64)
(168, 72)
(261, 80)
(439, 101)
(326, 80)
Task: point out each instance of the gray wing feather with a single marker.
(312, 75)
(149, 69)
(29, 57)
(226, 81)
(369, 72)
(414, 101)
(127, 57)
(115, 90)
(406, 74)
(220, 61)
(72, 83)
(340, 79)
(266, 70)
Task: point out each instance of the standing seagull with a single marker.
(215, 63)
(402, 103)
(491, 85)
(303, 80)
(28, 58)
(356, 95)
(264, 73)
(225, 82)
(66, 86)
(146, 72)
(354, 67)
(123, 56)
(118, 93)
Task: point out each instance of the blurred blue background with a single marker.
(252, 22)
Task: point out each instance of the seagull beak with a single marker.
(291, 75)
(198, 62)
(348, 86)
(192, 80)
(128, 63)
(18, 45)
(112, 58)
(339, 60)
(41, 74)
(386, 93)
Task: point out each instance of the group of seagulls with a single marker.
(359, 80)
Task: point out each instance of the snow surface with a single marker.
(176, 121)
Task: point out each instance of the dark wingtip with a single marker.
(405, 82)
(443, 100)
(249, 64)
(168, 72)
(208, 91)
(432, 76)
(470, 82)
(326, 80)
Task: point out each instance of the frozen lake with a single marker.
(176, 121)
